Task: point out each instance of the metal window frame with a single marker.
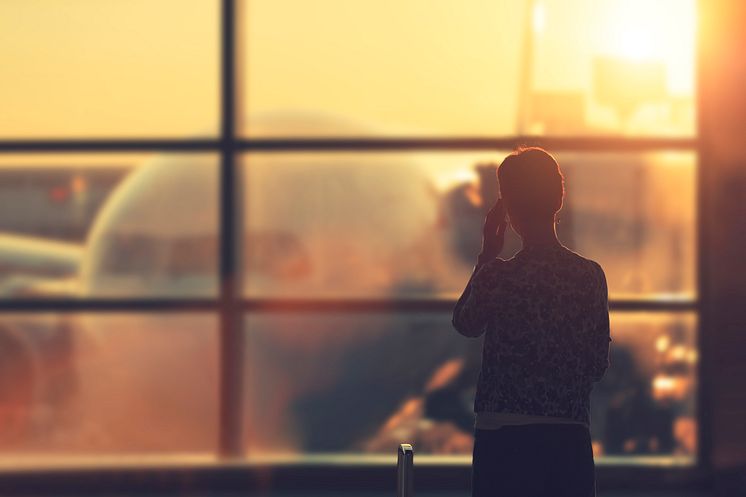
(229, 304)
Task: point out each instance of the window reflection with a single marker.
(361, 383)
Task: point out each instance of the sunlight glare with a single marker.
(635, 30)
(661, 32)
(539, 18)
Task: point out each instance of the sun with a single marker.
(636, 43)
(663, 31)
(635, 30)
(650, 30)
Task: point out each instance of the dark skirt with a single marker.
(533, 460)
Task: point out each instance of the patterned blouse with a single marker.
(545, 317)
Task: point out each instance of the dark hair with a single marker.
(531, 183)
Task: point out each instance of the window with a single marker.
(85, 70)
(335, 382)
(108, 384)
(304, 185)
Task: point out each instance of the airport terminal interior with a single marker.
(232, 233)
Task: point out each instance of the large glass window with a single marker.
(257, 220)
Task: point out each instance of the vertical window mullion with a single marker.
(231, 334)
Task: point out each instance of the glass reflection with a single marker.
(107, 384)
(362, 383)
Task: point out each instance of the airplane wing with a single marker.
(31, 266)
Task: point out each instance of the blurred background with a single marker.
(232, 232)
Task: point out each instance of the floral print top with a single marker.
(545, 317)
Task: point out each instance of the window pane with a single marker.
(361, 383)
(617, 66)
(635, 215)
(349, 382)
(646, 403)
(432, 67)
(356, 225)
(82, 68)
(106, 385)
(409, 225)
(91, 225)
(374, 67)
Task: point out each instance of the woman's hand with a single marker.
(493, 232)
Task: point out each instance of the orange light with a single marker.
(640, 30)
(78, 185)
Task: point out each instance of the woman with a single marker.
(544, 313)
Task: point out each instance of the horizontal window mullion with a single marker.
(136, 145)
(431, 305)
(289, 305)
(579, 144)
(110, 305)
(570, 143)
(652, 305)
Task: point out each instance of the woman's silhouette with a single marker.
(544, 313)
